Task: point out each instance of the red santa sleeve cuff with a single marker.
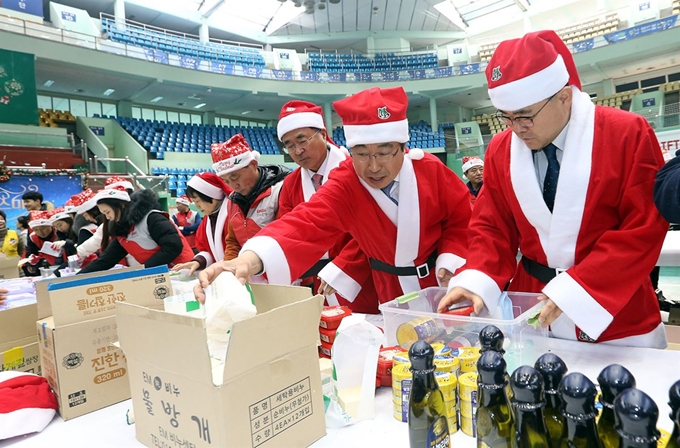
(480, 284)
(27, 404)
(578, 305)
(346, 286)
(273, 259)
(449, 261)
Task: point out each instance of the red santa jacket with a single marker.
(429, 220)
(186, 220)
(604, 229)
(210, 242)
(350, 272)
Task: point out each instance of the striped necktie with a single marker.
(551, 176)
(316, 181)
(387, 190)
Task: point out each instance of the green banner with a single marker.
(18, 96)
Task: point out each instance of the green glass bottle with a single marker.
(578, 408)
(674, 403)
(613, 380)
(636, 417)
(492, 338)
(495, 422)
(427, 424)
(528, 402)
(553, 369)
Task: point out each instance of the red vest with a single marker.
(51, 259)
(185, 220)
(262, 212)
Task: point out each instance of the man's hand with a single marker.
(444, 275)
(550, 311)
(243, 266)
(325, 288)
(190, 265)
(57, 245)
(3, 296)
(458, 294)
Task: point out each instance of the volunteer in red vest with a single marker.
(255, 200)
(346, 273)
(208, 193)
(571, 185)
(473, 169)
(42, 235)
(140, 229)
(407, 211)
(186, 219)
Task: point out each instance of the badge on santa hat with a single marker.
(69, 206)
(210, 185)
(39, 218)
(232, 155)
(58, 214)
(118, 192)
(298, 114)
(528, 70)
(117, 181)
(84, 201)
(27, 404)
(184, 200)
(470, 161)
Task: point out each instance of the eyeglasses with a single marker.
(380, 157)
(292, 147)
(525, 121)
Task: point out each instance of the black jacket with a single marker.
(667, 190)
(269, 175)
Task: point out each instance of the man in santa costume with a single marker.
(344, 269)
(571, 185)
(255, 200)
(407, 211)
(208, 193)
(473, 169)
(186, 219)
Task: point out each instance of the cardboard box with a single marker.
(78, 359)
(23, 357)
(271, 393)
(9, 267)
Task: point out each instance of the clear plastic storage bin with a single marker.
(523, 343)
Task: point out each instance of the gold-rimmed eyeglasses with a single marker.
(300, 144)
(380, 157)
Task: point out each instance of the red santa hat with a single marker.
(59, 213)
(374, 116)
(69, 206)
(232, 155)
(298, 114)
(210, 185)
(524, 71)
(117, 181)
(39, 218)
(27, 404)
(118, 192)
(184, 199)
(470, 161)
(84, 201)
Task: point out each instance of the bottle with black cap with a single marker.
(578, 408)
(495, 422)
(613, 380)
(553, 369)
(674, 403)
(427, 424)
(636, 417)
(491, 338)
(528, 402)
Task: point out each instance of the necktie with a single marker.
(316, 180)
(387, 191)
(551, 175)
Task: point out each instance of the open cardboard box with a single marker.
(271, 392)
(9, 267)
(78, 359)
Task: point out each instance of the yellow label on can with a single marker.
(468, 426)
(418, 329)
(401, 384)
(447, 384)
(451, 409)
(453, 424)
(467, 387)
(400, 412)
(400, 358)
(446, 363)
(663, 439)
(467, 408)
(468, 359)
(437, 347)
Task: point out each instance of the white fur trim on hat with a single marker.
(125, 184)
(232, 164)
(183, 201)
(474, 161)
(366, 134)
(87, 205)
(208, 189)
(40, 222)
(70, 209)
(415, 154)
(111, 193)
(28, 404)
(297, 121)
(59, 216)
(530, 90)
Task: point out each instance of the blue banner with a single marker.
(469, 69)
(189, 62)
(649, 102)
(337, 77)
(98, 130)
(362, 77)
(390, 76)
(308, 76)
(221, 67)
(33, 7)
(252, 72)
(156, 56)
(68, 16)
(284, 75)
(443, 72)
(584, 45)
(641, 30)
(466, 131)
(55, 189)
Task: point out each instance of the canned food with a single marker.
(469, 426)
(418, 329)
(447, 384)
(664, 438)
(401, 411)
(467, 387)
(468, 359)
(446, 364)
(451, 409)
(467, 408)
(453, 424)
(437, 346)
(401, 384)
(401, 358)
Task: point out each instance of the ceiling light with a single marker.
(198, 106)
(448, 10)
(157, 99)
(245, 112)
(108, 92)
(48, 83)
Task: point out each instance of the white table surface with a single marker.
(670, 251)
(654, 370)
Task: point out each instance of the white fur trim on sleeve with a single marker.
(448, 261)
(480, 284)
(346, 286)
(273, 259)
(578, 305)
